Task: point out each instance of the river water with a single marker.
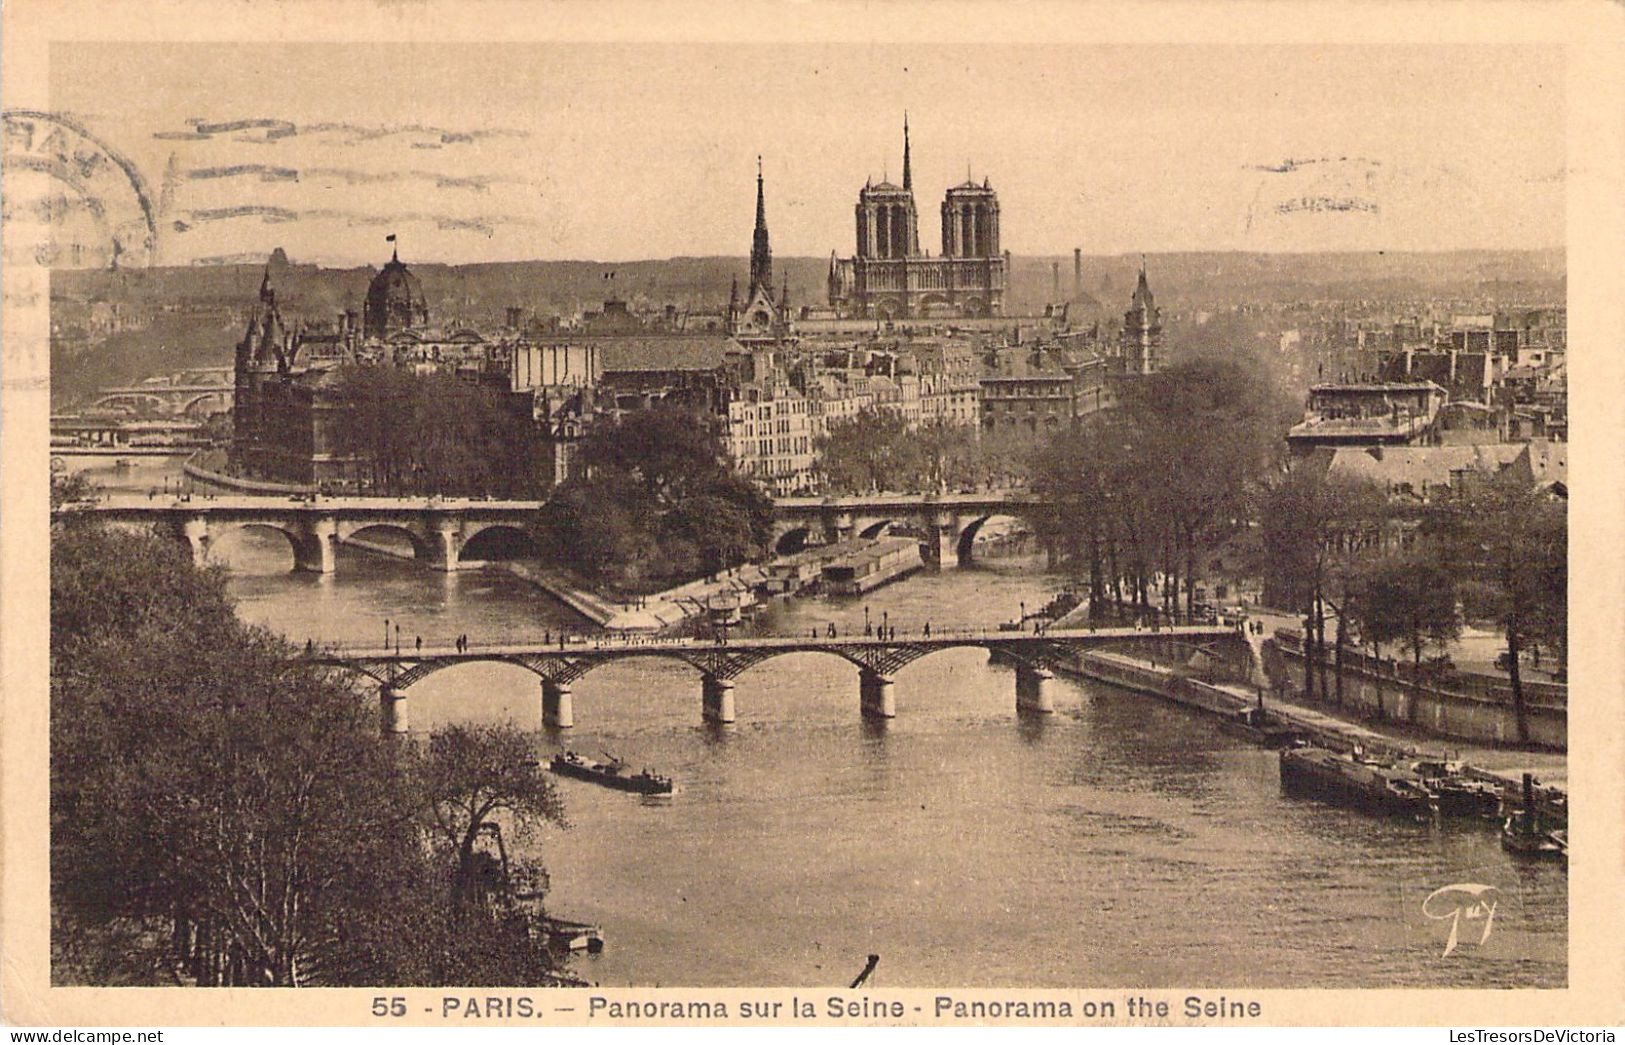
(1121, 841)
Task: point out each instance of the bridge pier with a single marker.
(717, 699)
(1034, 690)
(940, 550)
(315, 553)
(558, 705)
(443, 550)
(876, 696)
(392, 716)
(196, 532)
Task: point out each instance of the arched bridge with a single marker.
(1035, 655)
(947, 524)
(441, 531)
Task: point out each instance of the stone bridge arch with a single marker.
(132, 400)
(361, 533)
(216, 403)
(312, 542)
(498, 541)
(965, 542)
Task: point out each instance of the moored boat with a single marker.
(611, 774)
(1261, 726)
(1354, 780)
(1523, 834)
(1454, 792)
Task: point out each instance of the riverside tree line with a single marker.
(225, 813)
(1188, 477)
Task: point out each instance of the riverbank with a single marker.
(1224, 699)
(208, 466)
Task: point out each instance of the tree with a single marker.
(657, 494)
(435, 433)
(72, 488)
(225, 812)
(203, 777)
(470, 776)
(1409, 600)
(1509, 540)
(1146, 488)
(869, 452)
(1317, 530)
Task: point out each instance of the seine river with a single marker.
(1121, 841)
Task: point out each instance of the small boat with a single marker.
(565, 935)
(1454, 792)
(611, 774)
(1261, 727)
(1355, 780)
(1523, 834)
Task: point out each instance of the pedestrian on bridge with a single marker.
(927, 629)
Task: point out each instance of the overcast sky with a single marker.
(475, 153)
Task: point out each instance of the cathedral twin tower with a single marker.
(889, 277)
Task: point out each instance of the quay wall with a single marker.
(589, 607)
(1157, 681)
(195, 468)
(1477, 715)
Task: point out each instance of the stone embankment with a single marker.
(1224, 698)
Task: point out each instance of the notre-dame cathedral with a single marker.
(890, 278)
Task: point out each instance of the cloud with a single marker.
(485, 225)
(266, 129)
(264, 172)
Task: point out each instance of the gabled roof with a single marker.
(1421, 467)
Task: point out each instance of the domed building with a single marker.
(394, 303)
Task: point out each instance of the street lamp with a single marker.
(386, 634)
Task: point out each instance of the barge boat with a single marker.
(610, 774)
(1354, 780)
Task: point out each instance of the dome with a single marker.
(394, 301)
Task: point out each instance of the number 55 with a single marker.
(389, 1006)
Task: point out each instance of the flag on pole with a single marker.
(389, 238)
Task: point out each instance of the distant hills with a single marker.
(200, 307)
(1185, 280)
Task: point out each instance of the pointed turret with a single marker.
(908, 173)
(1142, 301)
(761, 255)
(1141, 340)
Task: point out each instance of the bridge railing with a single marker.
(587, 641)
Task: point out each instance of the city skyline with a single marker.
(1091, 147)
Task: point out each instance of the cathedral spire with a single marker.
(761, 255)
(908, 173)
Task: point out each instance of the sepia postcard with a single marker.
(796, 514)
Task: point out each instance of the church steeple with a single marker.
(761, 255)
(908, 173)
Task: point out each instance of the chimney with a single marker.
(1077, 272)
(1055, 280)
